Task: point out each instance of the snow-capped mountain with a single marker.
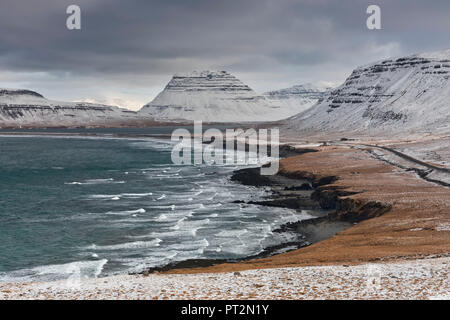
(26, 108)
(211, 96)
(297, 98)
(397, 95)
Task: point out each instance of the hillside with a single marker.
(211, 96)
(26, 108)
(297, 98)
(404, 95)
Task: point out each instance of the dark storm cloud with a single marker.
(269, 42)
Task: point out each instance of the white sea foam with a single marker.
(214, 215)
(187, 224)
(231, 233)
(198, 193)
(161, 217)
(121, 195)
(77, 269)
(193, 231)
(189, 254)
(126, 212)
(104, 196)
(240, 250)
(174, 234)
(152, 260)
(190, 246)
(212, 198)
(136, 195)
(167, 175)
(95, 181)
(126, 245)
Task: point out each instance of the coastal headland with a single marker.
(396, 214)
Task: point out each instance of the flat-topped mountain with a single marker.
(396, 95)
(26, 108)
(297, 98)
(211, 96)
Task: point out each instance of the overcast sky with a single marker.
(127, 51)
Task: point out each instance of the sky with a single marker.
(127, 51)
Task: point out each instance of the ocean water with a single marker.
(99, 206)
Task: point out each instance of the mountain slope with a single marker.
(211, 96)
(297, 98)
(396, 95)
(25, 108)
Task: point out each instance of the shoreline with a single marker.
(289, 191)
(286, 192)
(403, 228)
(388, 205)
(397, 215)
(285, 151)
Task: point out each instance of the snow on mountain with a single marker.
(211, 96)
(26, 108)
(407, 94)
(297, 98)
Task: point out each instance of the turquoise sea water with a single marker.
(102, 206)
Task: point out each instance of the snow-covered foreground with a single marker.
(408, 279)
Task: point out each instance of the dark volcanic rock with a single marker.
(251, 177)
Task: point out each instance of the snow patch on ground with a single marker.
(443, 227)
(408, 279)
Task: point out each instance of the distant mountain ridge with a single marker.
(26, 108)
(213, 96)
(406, 94)
(297, 98)
(394, 95)
(304, 90)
